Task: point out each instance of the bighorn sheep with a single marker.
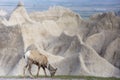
(34, 57)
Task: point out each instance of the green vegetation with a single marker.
(86, 77)
(67, 77)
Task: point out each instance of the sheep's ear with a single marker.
(23, 56)
(49, 66)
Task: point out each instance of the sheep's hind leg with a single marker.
(24, 69)
(38, 71)
(29, 69)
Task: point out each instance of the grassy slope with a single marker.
(69, 77)
(87, 77)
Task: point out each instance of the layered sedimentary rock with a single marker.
(112, 53)
(11, 48)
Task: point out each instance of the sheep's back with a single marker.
(38, 57)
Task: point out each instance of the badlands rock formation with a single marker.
(11, 48)
(74, 45)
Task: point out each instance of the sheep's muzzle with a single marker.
(52, 70)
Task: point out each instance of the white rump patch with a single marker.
(27, 54)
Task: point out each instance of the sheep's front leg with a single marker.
(38, 71)
(44, 71)
(24, 69)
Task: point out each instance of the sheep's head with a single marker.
(52, 70)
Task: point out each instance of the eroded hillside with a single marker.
(74, 45)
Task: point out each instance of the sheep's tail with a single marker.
(24, 54)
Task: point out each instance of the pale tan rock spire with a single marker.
(20, 3)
